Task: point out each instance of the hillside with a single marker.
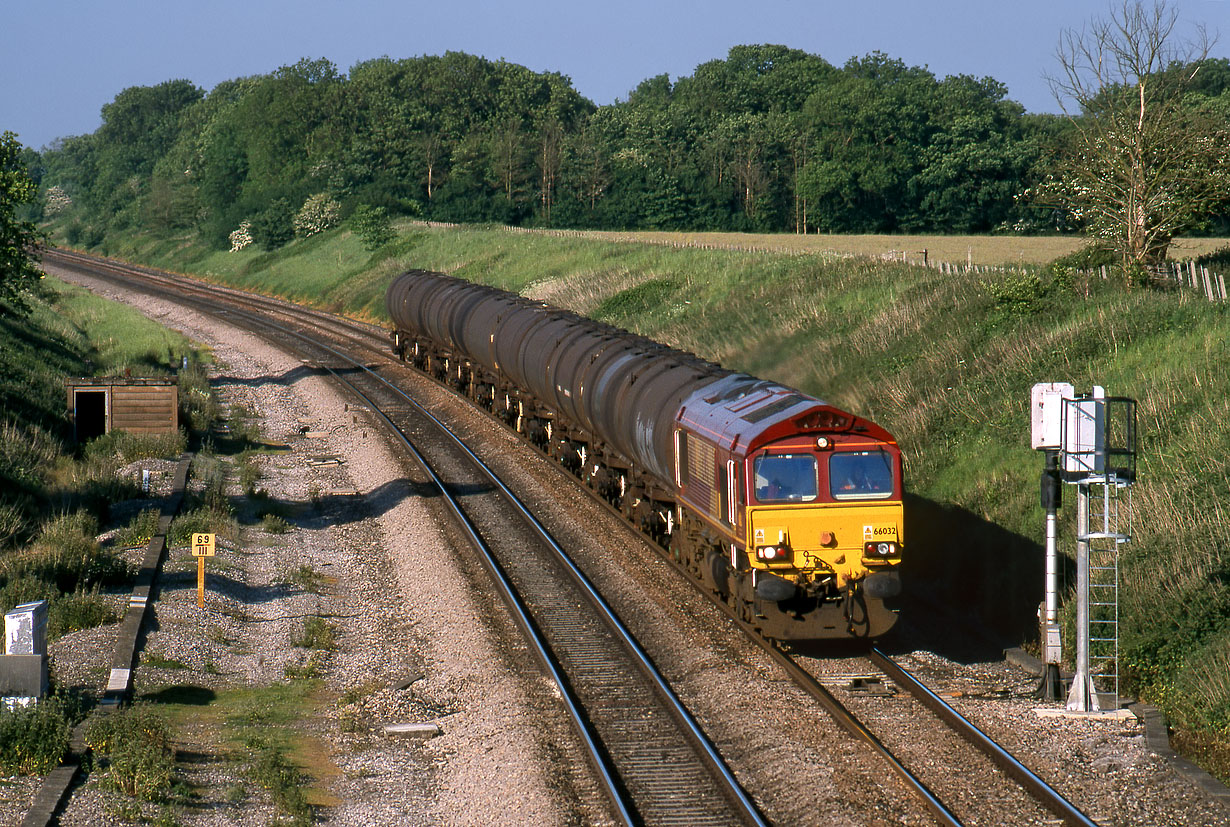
(945, 361)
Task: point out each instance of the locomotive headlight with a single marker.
(823, 442)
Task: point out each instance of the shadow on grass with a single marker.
(183, 694)
(970, 588)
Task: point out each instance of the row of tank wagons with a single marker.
(786, 506)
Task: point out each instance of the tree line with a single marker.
(769, 139)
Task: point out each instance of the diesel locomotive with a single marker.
(786, 507)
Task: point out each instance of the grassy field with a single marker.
(976, 250)
(945, 361)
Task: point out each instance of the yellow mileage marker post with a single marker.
(202, 547)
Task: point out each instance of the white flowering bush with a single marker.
(242, 237)
(57, 201)
(319, 213)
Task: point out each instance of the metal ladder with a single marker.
(1110, 517)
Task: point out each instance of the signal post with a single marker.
(1090, 442)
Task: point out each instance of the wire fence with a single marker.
(1186, 274)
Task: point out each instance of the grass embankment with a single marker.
(53, 494)
(946, 362)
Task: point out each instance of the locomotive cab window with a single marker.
(861, 475)
(782, 478)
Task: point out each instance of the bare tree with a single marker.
(1143, 164)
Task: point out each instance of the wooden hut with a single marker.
(139, 406)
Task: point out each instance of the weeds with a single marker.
(305, 669)
(211, 472)
(135, 745)
(275, 524)
(158, 661)
(33, 739)
(307, 578)
(245, 425)
(140, 530)
(316, 634)
(271, 770)
(250, 476)
(199, 521)
(63, 559)
(198, 406)
(128, 447)
(80, 610)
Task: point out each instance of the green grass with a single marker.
(259, 729)
(945, 361)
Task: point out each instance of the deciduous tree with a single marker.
(1144, 164)
(18, 239)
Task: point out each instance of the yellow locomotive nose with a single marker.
(845, 540)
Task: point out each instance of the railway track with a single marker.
(632, 776)
(651, 757)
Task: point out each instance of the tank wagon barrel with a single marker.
(788, 507)
(610, 382)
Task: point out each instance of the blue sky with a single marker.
(63, 59)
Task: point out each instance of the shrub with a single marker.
(136, 746)
(93, 236)
(275, 227)
(372, 226)
(319, 212)
(1089, 257)
(33, 740)
(1218, 259)
(242, 237)
(57, 201)
(1017, 293)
